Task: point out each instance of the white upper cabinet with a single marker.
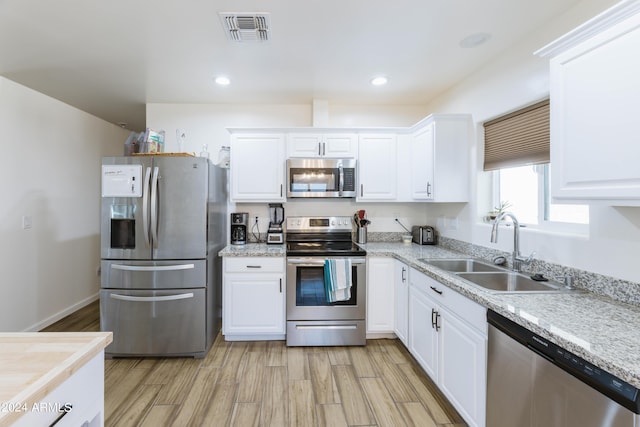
(377, 158)
(257, 167)
(333, 145)
(434, 162)
(594, 98)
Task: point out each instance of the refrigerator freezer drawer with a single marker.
(153, 274)
(154, 323)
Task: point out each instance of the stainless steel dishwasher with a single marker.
(532, 382)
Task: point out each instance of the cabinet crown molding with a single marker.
(592, 27)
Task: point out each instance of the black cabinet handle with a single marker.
(433, 317)
(436, 290)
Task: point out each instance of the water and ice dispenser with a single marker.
(122, 183)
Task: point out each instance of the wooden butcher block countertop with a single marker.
(33, 364)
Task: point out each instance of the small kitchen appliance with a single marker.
(424, 235)
(275, 234)
(239, 224)
(321, 178)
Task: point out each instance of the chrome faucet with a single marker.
(516, 259)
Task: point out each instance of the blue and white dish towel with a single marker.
(337, 279)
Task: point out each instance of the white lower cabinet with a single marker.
(253, 295)
(448, 338)
(380, 295)
(401, 302)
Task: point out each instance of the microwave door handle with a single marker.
(154, 207)
(341, 187)
(145, 206)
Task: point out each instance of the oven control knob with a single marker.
(333, 223)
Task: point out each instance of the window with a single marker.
(516, 149)
(525, 191)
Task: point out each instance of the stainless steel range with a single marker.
(311, 319)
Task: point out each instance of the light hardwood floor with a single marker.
(265, 383)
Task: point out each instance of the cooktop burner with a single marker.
(321, 236)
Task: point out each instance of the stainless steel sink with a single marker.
(506, 281)
(461, 265)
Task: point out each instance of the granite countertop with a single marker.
(599, 329)
(33, 364)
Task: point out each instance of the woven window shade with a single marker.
(517, 139)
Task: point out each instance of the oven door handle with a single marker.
(310, 262)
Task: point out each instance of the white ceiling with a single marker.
(111, 57)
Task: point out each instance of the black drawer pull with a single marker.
(436, 290)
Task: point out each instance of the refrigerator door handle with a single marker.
(152, 299)
(153, 267)
(154, 207)
(145, 206)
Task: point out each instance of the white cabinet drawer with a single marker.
(461, 306)
(254, 265)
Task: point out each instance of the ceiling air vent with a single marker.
(246, 26)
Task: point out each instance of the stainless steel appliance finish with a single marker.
(424, 235)
(163, 222)
(239, 228)
(311, 320)
(321, 178)
(534, 383)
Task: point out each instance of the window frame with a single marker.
(544, 201)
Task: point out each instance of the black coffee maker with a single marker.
(239, 224)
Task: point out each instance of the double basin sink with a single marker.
(493, 278)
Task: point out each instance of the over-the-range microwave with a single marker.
(321, 178)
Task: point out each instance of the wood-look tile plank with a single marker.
(297, 364)
(382, 404)
(134, 410)
(176, 376)
(302, 406)
(123, 391)
(324, 385)
(394, 379)
(159, 415)
(339, 355)
(246, 415)
(221, 405)
(229, 371)
(276, 353)
(331, 415)
(354, 403)
(251, 376)
(362, 363)
(275, 405)
(416, 415)
(440, 409)
(395, 350)
(217, 353)
(197, 402)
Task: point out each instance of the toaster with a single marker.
(424, 235)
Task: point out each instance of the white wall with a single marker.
(50, 171)
(513, 80)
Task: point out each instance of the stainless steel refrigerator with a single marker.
(164, 219)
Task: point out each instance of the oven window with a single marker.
(321, 180)
(310, 288)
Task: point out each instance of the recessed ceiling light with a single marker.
(222, 81)
(379, 81)
(474, 40)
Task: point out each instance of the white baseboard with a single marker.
(62, 314)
